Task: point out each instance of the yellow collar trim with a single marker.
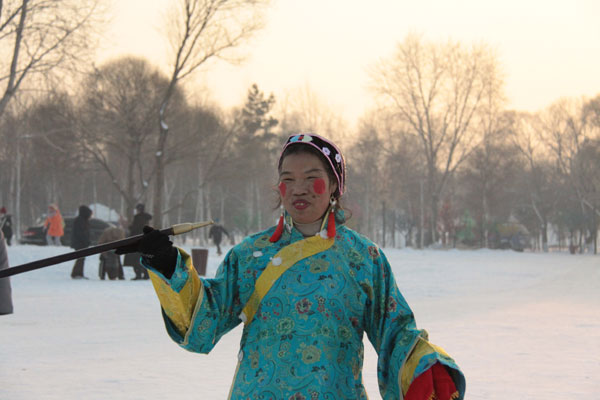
(281, 262)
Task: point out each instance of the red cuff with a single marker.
(433, 384)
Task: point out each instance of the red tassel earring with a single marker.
(331, 221)
(278, 231)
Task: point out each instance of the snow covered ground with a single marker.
(520, 325)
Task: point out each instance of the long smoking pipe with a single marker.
(177, 229)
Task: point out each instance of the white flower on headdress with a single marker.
(326, 151)
(338, 157)
(302, 138)
(276, 261)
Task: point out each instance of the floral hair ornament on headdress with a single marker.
(326, 147)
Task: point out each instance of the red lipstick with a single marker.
(300, 204)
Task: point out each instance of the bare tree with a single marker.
(385, 167)
(571, 132)
(487, 174)
(201, 141)
(439, 91)
(43, 157)
(303, 111)
(365, 163)
(119, 100)
(200, 30)
(40, 36)
(591, 160)
(539, 176)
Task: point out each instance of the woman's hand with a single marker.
(156, 249)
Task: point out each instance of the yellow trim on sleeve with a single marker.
(281, 262)
(179, 307)
(422, 348)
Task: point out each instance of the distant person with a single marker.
(110, 262)
(6, 225)
(140, 219)
(6, 305)
(216, 233)
(80, 239)
(54, 226)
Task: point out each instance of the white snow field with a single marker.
(520, 325)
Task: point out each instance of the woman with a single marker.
(306, 290)
(54, 226)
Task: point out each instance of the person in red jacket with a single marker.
(54, 226)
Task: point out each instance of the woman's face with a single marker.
(305, 187)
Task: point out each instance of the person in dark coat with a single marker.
(140, 219)
(80, 239)
(6, 225)
(216, 233)
(6, 305)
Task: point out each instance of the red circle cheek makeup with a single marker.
(319, 186)
(282, 188)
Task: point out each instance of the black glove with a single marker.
(157, 251)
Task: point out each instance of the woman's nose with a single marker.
(300, 187)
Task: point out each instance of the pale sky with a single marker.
(548, 49)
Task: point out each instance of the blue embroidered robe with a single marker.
(305, 340)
